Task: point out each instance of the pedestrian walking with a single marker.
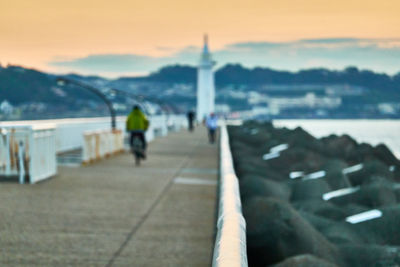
(190, 117)
(212, 125)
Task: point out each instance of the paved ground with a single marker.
(112, 213)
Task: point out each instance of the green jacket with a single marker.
(137, 121)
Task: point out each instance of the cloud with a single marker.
(165, 48)
(382, 55)
(111, 63)
(330, 40)
(316, 43)
(248, 46)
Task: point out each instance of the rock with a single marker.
(351, 209)
(309, 189)
(339, 147)
(287, 219)
(320, 223)
(276, 231)
(363, 152)
(321, 208)
(240, 148)
(383, 153)
(305, 260)
(370, 169)
(370, 255)
(275, 175)
(251, 186)
(334, 175)
(247, 166)
(296, 158)
(370, 196)
(341, 233)
(383, 230)
(300, 138)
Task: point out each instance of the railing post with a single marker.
(21, 159)
(8, 156)
(32, 167)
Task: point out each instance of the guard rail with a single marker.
(230, 242)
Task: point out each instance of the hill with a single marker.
(236, 74)
(19, 85)
(362, 93)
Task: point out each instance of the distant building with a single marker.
(205, 84)
(6, 107)
(222, 108)
(260, 110)
(309, 100)
(388, 108)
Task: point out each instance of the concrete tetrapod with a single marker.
(291, 220)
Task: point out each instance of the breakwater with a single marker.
(327, 201)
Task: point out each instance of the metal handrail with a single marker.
(62, 80)
(230, 242)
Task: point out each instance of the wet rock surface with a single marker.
(306, 260)
(298, 193)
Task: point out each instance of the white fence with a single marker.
(27, 151)
(30, 147)
(69, 132)
(101, 144)
(230, 243)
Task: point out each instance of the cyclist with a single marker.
(137, 124)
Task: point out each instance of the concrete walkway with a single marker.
(112, 213)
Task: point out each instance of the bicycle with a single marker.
(137, 149)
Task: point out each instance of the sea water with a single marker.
(373, 132)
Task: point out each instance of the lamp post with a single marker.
(139, 98)
(62, 81)
(142, 98)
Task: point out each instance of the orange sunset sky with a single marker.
(34, 33)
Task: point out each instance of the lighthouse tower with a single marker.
(205, 84)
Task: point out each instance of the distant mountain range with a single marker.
(177, 83)
(235, 74)
(19, 85)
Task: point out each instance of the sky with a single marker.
(131, 37)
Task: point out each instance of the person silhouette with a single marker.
(137, 124)
(212, 125)
(190, 117)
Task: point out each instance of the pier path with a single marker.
(112, 213)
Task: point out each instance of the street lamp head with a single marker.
(112, 93)
(61, 82)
